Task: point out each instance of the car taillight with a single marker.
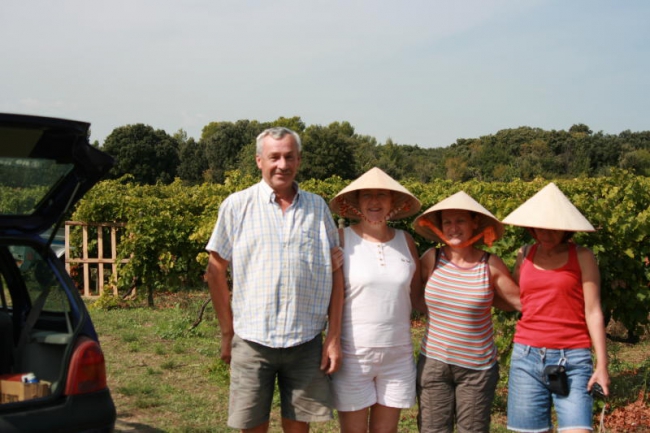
(87, 371)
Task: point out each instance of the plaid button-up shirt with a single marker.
(281, 264)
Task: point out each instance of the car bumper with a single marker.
(72, 414)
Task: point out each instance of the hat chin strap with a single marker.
(345, 207)
(488, 235)
(374, 222)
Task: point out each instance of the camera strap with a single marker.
(601, 426)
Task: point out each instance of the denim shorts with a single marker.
(304, 388)
(529, 398)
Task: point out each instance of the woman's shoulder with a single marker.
(580, 248)
(404, 233)
(524, 251)
(584, 253)
(430, 252)
(494, 260)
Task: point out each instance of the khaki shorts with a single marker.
(304, 388)
(449, 394)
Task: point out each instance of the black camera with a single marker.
(597, 391)
(557, 379)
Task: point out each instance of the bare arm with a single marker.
(427, 262)
(520, 259)
(417, 292)
(220, 294)
(594, 316)
(337, 258)
(506, 291)
(337, 253)
(332, 355)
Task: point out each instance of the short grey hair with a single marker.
(277, 133)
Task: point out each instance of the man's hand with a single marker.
(220, 295)
(332, 356)
(226, 348)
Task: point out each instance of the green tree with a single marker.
(328, 151)
(366, 154)
(637, 160)
(428, 164)
(294, 123)
(223, 141)
(392, 159)
(535, 160)
(580, 128)
(193, 165)
(246, 162)
(456, 169)
(151, 156)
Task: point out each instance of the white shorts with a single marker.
(369, 375)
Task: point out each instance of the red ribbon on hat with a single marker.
(345, 207)
(488, 234)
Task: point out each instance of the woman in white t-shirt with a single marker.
(381, 267)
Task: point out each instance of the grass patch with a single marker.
(166, 377)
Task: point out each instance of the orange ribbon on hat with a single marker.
(488, 234)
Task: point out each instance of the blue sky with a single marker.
(418, 72)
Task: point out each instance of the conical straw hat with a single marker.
(461, 201)
(346, 202)
(549, 209)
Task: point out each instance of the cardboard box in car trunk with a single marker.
(12, 389)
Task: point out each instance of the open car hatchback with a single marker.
(52, 370)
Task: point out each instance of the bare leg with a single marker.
(262, 428)
(384, 419)
(354, 422)
(291, 426)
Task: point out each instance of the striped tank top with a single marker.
(459, 326)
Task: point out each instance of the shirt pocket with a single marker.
(306, 249)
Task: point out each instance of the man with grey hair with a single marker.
(277, 239)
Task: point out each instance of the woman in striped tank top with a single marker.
(457, 369)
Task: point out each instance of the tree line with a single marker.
(153, 156)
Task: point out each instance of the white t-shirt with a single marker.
(377, 309)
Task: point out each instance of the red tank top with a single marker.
(552, 305)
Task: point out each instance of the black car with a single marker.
(52, 369)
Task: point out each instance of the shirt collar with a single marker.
(268, 192)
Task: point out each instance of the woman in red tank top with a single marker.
(561, 321)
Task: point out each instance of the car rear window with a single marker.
(25, 182)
